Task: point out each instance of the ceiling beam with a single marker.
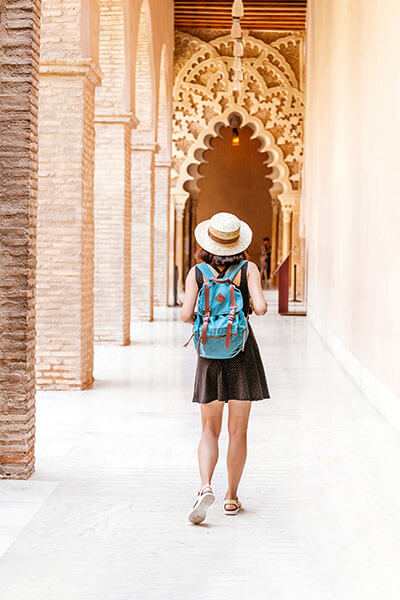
(258, 14)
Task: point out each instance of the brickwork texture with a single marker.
(113, 232)
(143, 234)
(19, 67)
(60, 202)
(113, 205)
(65, 275)
(65, 232)
(161, 230)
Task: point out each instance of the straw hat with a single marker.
(223, 234)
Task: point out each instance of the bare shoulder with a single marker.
(192, 271)
(252, 268)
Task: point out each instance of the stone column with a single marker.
(179, 251)
(286, 232)
(113, 222)
(179, 201)
(143, 230)
(274, 234)
(68, 77)
(288, 202)
(19, 78)
(195, 201)
(161, 231)
(298, 244)
(171, 251)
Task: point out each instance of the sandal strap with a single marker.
(201, 491)
(232, 501)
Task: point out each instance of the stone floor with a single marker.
(105, 515)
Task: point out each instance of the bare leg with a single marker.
(239, 412)
(211, 420)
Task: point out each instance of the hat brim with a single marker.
(204, 240)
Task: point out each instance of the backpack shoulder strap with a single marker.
(205, 270)
(234, 270)
(199, 277)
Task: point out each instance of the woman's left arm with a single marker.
(256, 292)
(189, 301)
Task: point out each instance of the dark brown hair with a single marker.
(220, 261)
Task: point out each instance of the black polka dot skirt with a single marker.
(239, 378)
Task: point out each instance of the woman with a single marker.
(237, 381)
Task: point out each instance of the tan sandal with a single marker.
(232, 502)
(205, 498)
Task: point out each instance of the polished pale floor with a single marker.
(105, 515)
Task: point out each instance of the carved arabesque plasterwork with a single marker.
(271, 99)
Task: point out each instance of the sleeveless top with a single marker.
(242, 286)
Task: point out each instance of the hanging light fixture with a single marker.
(235, 137)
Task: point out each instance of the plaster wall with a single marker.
(352, 181)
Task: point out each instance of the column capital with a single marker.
(290, 198)
(287, 210)
(275, 202)
(120, 119)
(180, 199)
(86, 67)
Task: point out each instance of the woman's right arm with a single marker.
(256, 294)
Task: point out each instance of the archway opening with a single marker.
(234, 177)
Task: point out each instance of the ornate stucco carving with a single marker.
(271, 101)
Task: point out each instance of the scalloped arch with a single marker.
(270, 100)
(280, 174)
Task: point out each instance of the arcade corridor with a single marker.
(123, 123)
(105, 512)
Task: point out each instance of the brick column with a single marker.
(161, 231)
(19, 73)
(113, 189)
(113, 221)
(143, 230)
(69, 74)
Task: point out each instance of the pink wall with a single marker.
(352, 180)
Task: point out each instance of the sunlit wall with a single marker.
(352, 182)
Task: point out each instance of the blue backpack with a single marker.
(221, 328)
